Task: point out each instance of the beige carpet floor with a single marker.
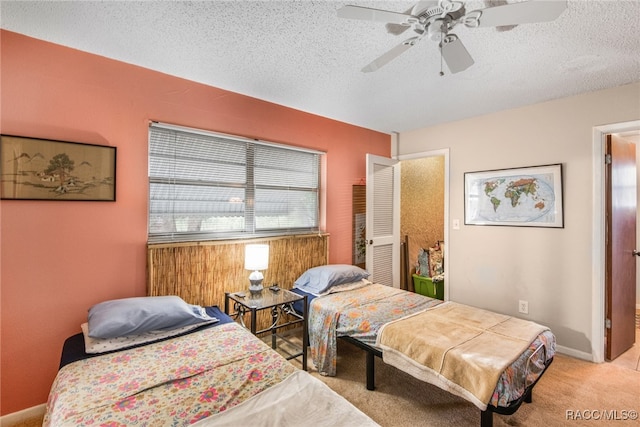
(570, 389)
(572, 392)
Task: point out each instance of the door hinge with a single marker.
(607, 323)
(607, 159)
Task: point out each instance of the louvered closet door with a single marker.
(383, 220)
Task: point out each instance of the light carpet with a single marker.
(571, 391)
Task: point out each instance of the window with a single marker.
(211, 186)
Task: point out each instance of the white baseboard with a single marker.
(574, 353)
(15, 418)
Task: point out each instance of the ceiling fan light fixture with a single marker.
(437, 29)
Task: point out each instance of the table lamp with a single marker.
(256, 257)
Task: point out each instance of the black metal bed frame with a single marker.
(486, 416)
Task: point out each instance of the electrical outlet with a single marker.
(523, 307)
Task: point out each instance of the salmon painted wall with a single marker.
(59, 258)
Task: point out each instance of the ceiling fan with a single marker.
(435, 19)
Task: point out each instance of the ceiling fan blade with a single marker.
(390, 55)
(525, 12)
(368, 14)
(396, 29)
(455, 54)
(493, 3)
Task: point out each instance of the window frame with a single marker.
(250, 229)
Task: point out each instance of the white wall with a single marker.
(494, 267)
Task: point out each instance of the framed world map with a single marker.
(524, 197)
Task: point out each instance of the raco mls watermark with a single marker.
(601, 414)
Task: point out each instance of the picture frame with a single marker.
(523, 197)
(45, 169)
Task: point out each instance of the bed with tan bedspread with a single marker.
(405, 328)
(463, 349)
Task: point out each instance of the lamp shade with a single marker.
(256, 257)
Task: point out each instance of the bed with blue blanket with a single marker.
(491, 360)
(160, 361)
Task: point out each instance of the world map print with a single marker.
(519, 199)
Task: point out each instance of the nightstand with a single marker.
(281, 304)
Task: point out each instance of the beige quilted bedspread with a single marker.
(459, 348)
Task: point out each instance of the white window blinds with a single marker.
(211, 186)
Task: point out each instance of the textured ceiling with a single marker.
(300, 54)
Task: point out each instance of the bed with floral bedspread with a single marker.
(195, 378)
(360, 314)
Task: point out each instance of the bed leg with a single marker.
(371, 379)
(486, 418)
(528, 396)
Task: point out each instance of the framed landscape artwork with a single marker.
(524, 197)
(42, 169)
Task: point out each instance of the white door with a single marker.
(383, 220)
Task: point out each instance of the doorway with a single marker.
(383, 211)
(441, 217)
(599, 248)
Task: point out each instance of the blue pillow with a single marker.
(132, 316)
(320, 279)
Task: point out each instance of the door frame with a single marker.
(598, 248)
(439, 153)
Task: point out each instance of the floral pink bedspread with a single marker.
(175, 382)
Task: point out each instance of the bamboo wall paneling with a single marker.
(201, 272)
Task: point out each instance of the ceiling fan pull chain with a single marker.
(441, 44)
